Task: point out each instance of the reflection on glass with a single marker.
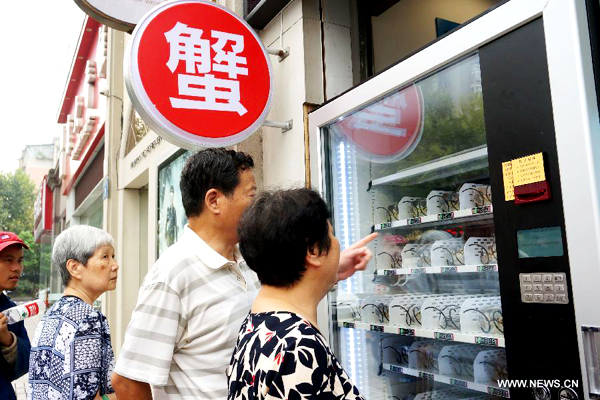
(438, 116)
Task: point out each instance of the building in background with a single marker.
(81, 115)
(43, 212)
(36, 160)
(72, 191)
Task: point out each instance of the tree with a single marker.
(17, 199)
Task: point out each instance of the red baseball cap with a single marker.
(8, 238)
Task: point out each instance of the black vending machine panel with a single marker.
(535, 284)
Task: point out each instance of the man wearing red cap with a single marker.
(14, 342)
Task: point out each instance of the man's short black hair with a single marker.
(213, 168)
(278, 229)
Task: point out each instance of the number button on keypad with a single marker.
(559, 287)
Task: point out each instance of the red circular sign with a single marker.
(198, 74)
(387, 130)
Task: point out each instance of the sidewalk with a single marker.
(20, 384)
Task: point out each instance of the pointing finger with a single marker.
(364, 241)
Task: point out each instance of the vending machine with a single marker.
(475, 162)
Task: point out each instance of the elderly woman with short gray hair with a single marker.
(71, 353)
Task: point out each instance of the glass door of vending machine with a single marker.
(451, 157)
(425, 320)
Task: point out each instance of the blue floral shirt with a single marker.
(71, 354)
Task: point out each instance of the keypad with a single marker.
(545, 288)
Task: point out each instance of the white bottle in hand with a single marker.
(26, 310)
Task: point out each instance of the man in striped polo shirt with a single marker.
(196, 296)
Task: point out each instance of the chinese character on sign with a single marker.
(387, 130)
(211, 81)
(384, 118)
(198, 74)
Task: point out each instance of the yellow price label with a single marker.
(528, 169)
(509, 189)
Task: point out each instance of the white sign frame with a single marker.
(146, 109)
(122, 15)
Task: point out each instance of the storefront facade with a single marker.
(333, 46)
(76, 185)
(327, 56)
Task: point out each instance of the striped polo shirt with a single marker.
(185, 325)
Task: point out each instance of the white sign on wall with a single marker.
(118, 14)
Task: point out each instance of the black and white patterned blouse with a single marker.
(280, 355)
(71, 355)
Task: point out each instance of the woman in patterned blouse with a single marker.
(286, 238)
(71, 354)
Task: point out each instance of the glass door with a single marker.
(424, 321)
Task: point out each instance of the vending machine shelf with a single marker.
(478, 387)
(438, 270)
(484, 340)
(447, 218)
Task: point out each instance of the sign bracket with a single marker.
(282, 53)
(284, 126)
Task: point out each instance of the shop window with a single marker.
(93, 216)
(392, 30)
(171, 215)
(143, 227)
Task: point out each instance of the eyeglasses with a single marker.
(446, 202)
(382, 311)
(499, 371)
(425, 255)
(412, 314)
(401, 355)
(354, 313)
(413, 250)
(461, 366)
(420, 253)
(486, 322)
(448, 316)
(486, 254)
(456, 254)
(429, 359)
(396, 258)
(391, 211)
(418, 207)
(482, 194)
